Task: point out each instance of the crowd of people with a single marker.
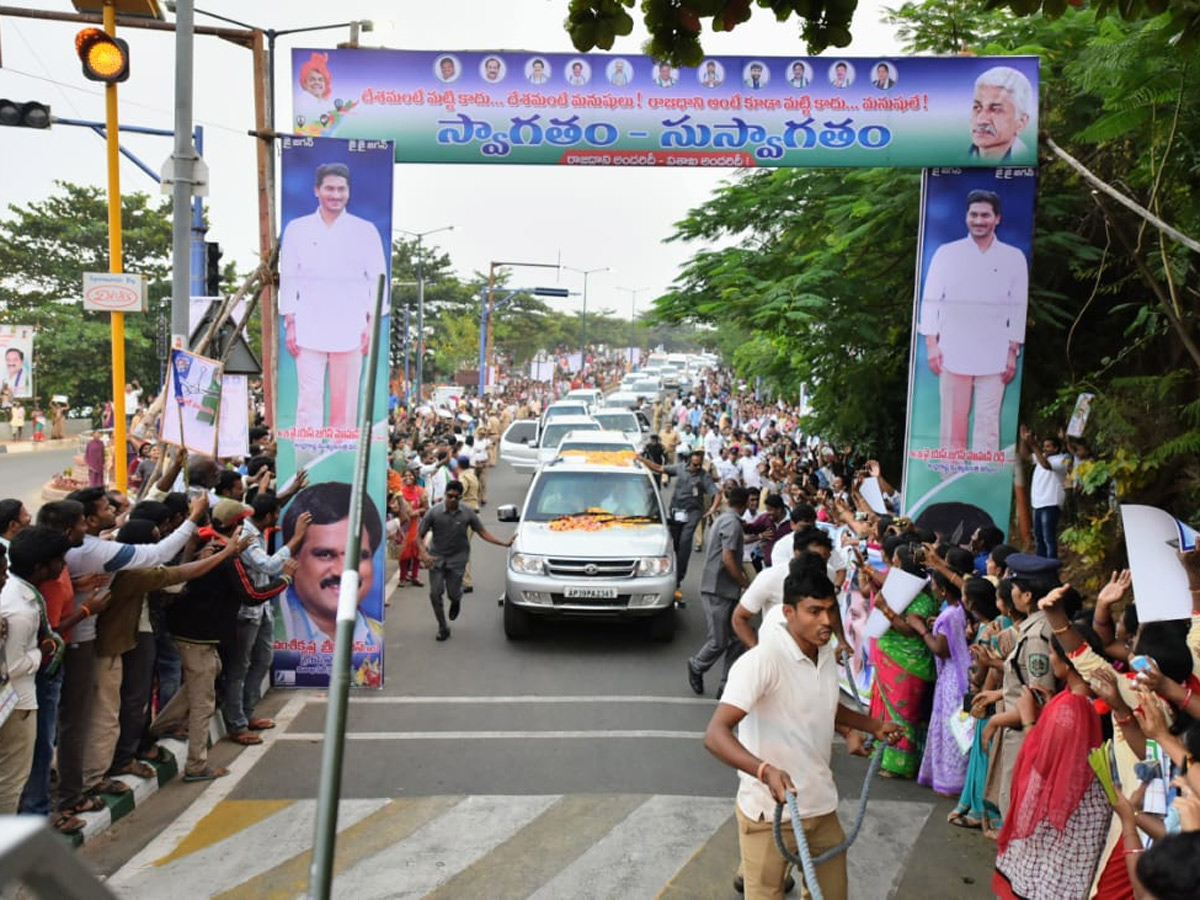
(993, 686)
(996, 685)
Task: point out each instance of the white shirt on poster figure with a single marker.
(330, 265)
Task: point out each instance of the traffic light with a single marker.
(24, 115)
(212, 268)
(104, 57)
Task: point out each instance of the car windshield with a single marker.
(645, 387)
(617, 421)
(623, 494)
(553, 434)
(566, 409)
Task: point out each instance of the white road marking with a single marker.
(316, 737)
(553, 698)
(239, 857)
(639, 855)
(218, 790)
(444, 847)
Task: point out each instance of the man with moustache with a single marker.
(999, 113)
(308, 609)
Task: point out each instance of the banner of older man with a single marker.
(968, 346)
(16, 379)
(336, 219)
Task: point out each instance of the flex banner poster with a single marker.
(193, 405)
(972, 298)
(337, 225)
(16, 379)
(597, 109)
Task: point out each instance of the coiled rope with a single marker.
(805, 860)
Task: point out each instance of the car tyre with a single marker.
(516, 622)
(662, 627)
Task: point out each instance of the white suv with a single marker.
(592, 543)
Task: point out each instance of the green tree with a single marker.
(45, 247)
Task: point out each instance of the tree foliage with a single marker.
(807, 275)
(45, 247)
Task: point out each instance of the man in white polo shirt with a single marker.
(782, 697)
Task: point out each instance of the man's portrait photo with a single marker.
(579, 73)
(308, 609)
(664, 75)
(536, 71)
(972, 316)
(446, 69)
(330, 264)
(999, 113)
(841, 74)
(492, 69)
(618, 72)
(755, 76)
(885, 77)
(16, 373)
(711, 74)
(799, 75)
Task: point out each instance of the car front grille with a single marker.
(591, 568)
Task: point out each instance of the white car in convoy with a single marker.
(592, 543)
(518, 444)
(624, 421)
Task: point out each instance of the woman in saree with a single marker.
(416, 498)
(944, 764)
(904, 672)
(1059, 815)
(973, 809)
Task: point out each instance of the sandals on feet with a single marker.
(111, 786)
(245, 738)
(135, 767)
(68, 824)
(87, 804)
(206, 775)
(962, 821)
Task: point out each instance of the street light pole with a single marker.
(116, 263)
(420, 236)
(633, 292)
(583, 337)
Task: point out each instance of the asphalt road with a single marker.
(23, 474)
(567, 765)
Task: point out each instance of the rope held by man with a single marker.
(805, 860)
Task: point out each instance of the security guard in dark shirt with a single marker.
(692, 485)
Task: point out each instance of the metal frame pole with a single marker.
(420, 323)
(183, 173)
(320, 880)
(116, 263)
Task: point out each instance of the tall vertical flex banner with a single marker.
(972, 300)
(337, 225)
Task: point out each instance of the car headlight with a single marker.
(654, 565)
(527, 564)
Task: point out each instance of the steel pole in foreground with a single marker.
(320, 880)
(183, 172)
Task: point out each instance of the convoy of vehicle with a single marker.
(592, 540)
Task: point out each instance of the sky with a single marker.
(583, 218)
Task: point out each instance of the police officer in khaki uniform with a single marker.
(1033, 577)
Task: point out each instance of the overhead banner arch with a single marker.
(522, 107)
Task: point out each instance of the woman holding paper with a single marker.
(1059, 813)
(904, 670)
(944, 763)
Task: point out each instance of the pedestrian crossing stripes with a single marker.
(587, 846)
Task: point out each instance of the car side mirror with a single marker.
(508, 513)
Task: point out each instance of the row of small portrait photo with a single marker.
(620, 72)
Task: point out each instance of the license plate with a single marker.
(590, 593)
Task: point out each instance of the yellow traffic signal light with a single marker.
(105, 58)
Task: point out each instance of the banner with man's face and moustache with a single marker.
(337, 224)
(972, 298)
(16, 349)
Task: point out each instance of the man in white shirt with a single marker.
(973, 319)
(330, 263)
(748, 464)
(1047, 489)
(782, 697)
(34, 555)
